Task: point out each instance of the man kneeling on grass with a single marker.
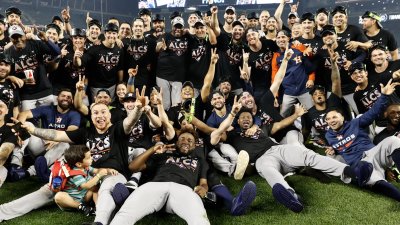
(273, 160)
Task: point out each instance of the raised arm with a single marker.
(46, 134)
(335, 74)
(299, 111)
(79, 94)
(130, 86)
(280, 74)
(278, 13)
(67, 19)
(139, 163)
(224, 126)
(214, 21)
(208, 79)
(135, 114)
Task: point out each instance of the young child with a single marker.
(79, 189)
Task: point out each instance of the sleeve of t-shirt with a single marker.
(392, 43)
(360, 36)
(75, 118)
(120, 65)
(9, 137)
(267, 128)
(334, 101)
(77, 136)
(77, 180)
(39, 112)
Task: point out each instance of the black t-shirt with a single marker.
(31, 58)
(352, 33)
(200, 57)
(315, 43)
(8, 89)
(141, 53)
(102, 65)
(108, 150)
(178, 168)
(255, 145)
(230, 59)
(268, 115)
(260, 63)
(175, 113)
(324, 67)
(67, 75)
(316, 118)
(366, 98)
(3, 42)
(384, 38)
(171, 62)
(374, 77)
(141, 134)
(7, 136)
(386, 133)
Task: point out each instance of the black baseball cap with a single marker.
(56, 18)
(144, 12)
(129, 96)
(157, 17)
(328, 29)
(54, 26)
(2, 19)
(307, 16)
(188, 83)
(322, 10)
(13, 10)
(373, 15)
(175, 14)
(253, 15)
(94, 22)
(237, 22)
(293, 14)
(103, 90)
(199, 23)
(111, 27)
(224, 79)
(317, 88)
(5, 58)
(77, 32)
(356, 66)
(381, 47)
(339, 9)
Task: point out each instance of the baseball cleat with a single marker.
(241, 165)
(120, 193)
(42, 170)
(244, 199)
(16, 173)
(287, 198)
(363, 172)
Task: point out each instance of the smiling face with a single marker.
(272, 24)
(187, 92)
(252, 37)
(225, 87)
(159, 26)
(248, 100)
(65, 100)
(329, 38)
(237, 33)
(19, 41)
(138, 29)
(125, 30)
(245, 120)
(218, 101)
(4, 70)
(264, 17)
(308, 26)
(359, 76)
(52, 34)
(121, 91)
(192, 19)
(94, 31)
(103, 98)
(177, 30)
(111, 37)
(253, 23)
(229, 17)
(297, 30)
(339, 20)
(378, 57)
(282, 40)
(13, 19)
(186, 143)
(393, 115)
(101, 117)
(200, 32)
(129, 105)
(334, 120)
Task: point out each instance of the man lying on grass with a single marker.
(273, 160)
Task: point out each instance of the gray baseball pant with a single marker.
(380, 157)
(289, 100)
(26, 203)
(132, 154)
(282, 159)
(32, 104)
(152, 196)
(171, 91)
(105, 203)
(220, 162)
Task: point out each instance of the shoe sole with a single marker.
(42, 169)
(283, 196)
(120, 193)
(241, 165)
(365, 169)
(247, 194)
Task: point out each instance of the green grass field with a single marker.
(334, 203)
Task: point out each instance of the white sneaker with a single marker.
(131, 185)
(241, 164)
